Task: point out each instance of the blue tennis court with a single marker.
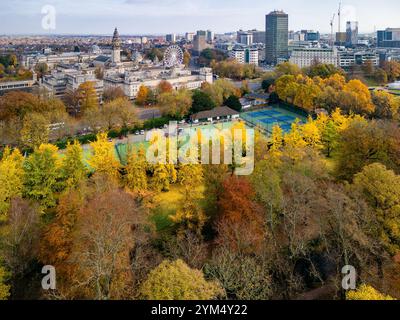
(271, 116)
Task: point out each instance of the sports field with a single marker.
(271, 116)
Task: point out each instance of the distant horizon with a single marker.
(160, 17)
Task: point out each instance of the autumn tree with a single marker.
(164, 87)
(4, 287)
(287, 68)
(20, 238)
(73, 169)
(57, 240)
(176, 104)
(392, 69)
(190, 215)
(136, 177)
(106, 232)
(366, 292)
(113, 93)
(381, 188)
(365, 142)
(87, 96)
(11, 179)
(186, 58)
(240, 225)
(386, 105)
(160, 180)
(35, 130)
(103, 160)
(42, 173)
(356, 98)
(176, 281)
(243, 277)
(142, 95)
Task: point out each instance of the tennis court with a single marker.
(271, 116)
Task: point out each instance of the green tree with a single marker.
(176, 281)
(201, 102)
(233, 102)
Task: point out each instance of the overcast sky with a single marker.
(179, 16)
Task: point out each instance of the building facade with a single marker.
(305, 57)
(60, 82)
(131, 81)
(116, 48)
(389, 38)
(244, 54)
(351, 33)
(276, 29)
(350, 58)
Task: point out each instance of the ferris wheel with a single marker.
(173, 56)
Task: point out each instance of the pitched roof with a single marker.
(214, 113)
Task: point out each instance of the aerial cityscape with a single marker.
(215, 152)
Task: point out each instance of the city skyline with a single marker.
(179, 16)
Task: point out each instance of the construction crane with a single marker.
(332, 21)
(340, 17)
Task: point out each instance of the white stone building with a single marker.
(305, 57)
(131, 81)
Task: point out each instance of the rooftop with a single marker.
(214, 113)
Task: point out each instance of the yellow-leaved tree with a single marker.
(177, 281)
(136, 177)
(11, 179)
(366, 292)
(73, 169)
(103, 160)
(4, 288)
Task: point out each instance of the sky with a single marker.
(133, 17)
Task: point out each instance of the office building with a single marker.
(350, 58)
(305, 57)
(351, 33)
(258, 36)
(276, 29)
(189, 36)
(171, 38)
(244, 54)
(209, 36)
(389, 38)
(245, 38)
(341, 38)
(200, 44)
